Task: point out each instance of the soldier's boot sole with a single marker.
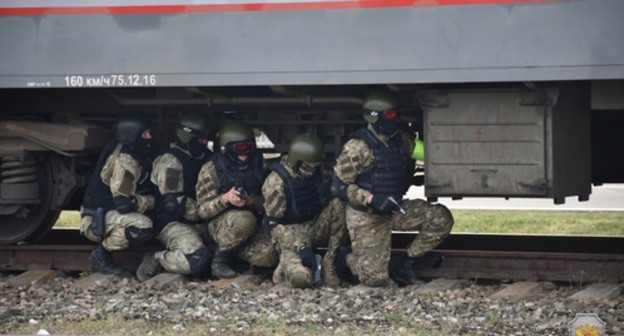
(222, 271)
(149, 267)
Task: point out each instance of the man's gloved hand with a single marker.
(173, 207)
(308, 259)
(381, 204)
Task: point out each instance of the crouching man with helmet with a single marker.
(370, 174)
(301, 216)
(117, 196)
(228, 194)
(175, 174)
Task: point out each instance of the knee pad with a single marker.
(137, 237)
(247, 223)
(200, 261)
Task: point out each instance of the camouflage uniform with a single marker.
(181, 237)
(371, 233)
(122, 173)
(327, 228)
(233, 229)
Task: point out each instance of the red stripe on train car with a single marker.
(248, 7)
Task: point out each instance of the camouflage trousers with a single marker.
(180, 240)
(328, 228)
(371, 237)
(238, 231)
(114, 238)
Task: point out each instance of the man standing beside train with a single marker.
(371, 175)
(301, 216)
(118, 194)
(228, 194)
(175, 176)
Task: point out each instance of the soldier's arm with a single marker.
(355, 158)
(274, 196)
(123, 184)
(209, 202)
(408, 141)
(168, 176)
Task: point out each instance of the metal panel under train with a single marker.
(501, 143)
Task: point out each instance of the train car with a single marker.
(513, 98)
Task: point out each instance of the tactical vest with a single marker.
(387, 175)
(229, 174)
(98, 194)
(303, 201)
(190, 171)
(191, 167)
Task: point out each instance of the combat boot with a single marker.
(403, 273)
(102, 261)
(330, 277)
(150, 266)
(340, 264)
(220, 266)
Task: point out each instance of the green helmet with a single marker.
(191, 125)
(235, 131)
(305, 147)
(377, 101)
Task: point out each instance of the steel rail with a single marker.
(462, 256)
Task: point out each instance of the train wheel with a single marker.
(32, 220)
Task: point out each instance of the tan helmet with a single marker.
(378, 101)
(191, 125)
(305, 147)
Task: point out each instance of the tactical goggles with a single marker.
(197, 133)
(390, 114)
(241, 148)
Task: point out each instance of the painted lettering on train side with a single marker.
(110, 80)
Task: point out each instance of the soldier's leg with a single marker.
(330, 229)
(434, 223)
(229, 231)
(125, 230)
(116, 238)
(288, 240)
(186, 253)
(259, 250)
(370, 242)
(232, 228)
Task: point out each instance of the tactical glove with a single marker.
(308, 259)
(381, 204)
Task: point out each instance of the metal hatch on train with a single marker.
(508, 143)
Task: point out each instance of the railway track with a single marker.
(462, 256)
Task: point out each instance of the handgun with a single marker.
(396, 207)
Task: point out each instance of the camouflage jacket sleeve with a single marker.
(355, 158)
(274, 196)
(168, 177)
(408, 141)
(209, 203)
(124, 179)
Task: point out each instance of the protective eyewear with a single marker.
(390, 114)
(197, 133)
(241, 148)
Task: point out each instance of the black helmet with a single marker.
(305, 147)
(192, 125)
(130, 126)
(233, 132)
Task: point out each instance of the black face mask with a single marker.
(386, 127)
(233, 158)
(142, 146)
(196, 148)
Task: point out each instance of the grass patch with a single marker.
(601, 223)
(607, 223)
